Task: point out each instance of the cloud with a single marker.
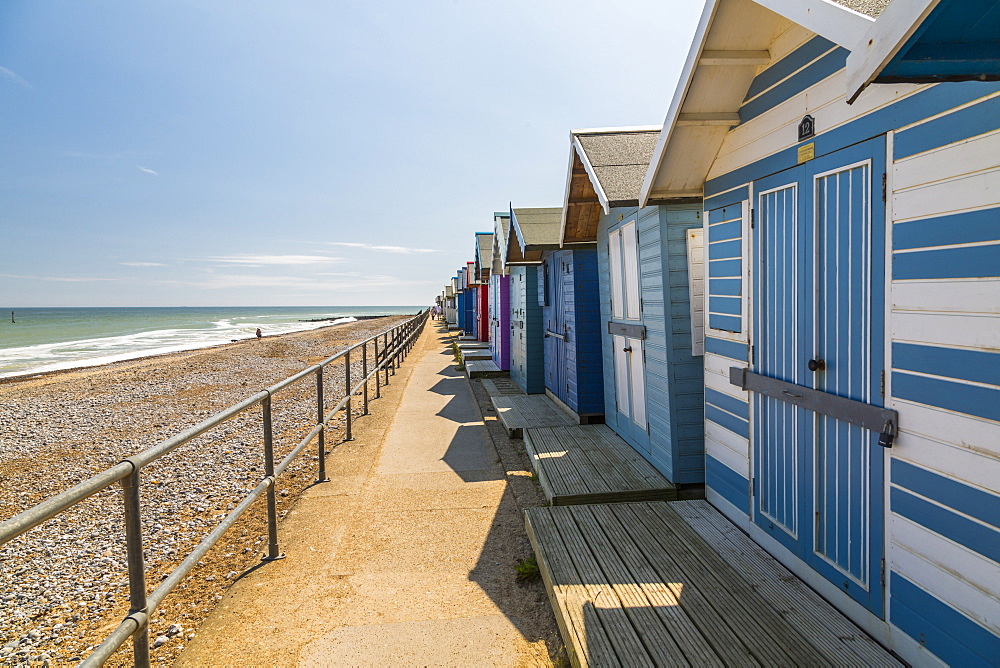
(143, 264)
(61, 279)
(147, 170)
(296, 283)
(273, 260)
(8, 74)
(383, 249)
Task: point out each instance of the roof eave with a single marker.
(883, 41)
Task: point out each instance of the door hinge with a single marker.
(883, 186)
(752, 353)
(881, 575)
(644, 355)
(882, 390)
(751, 487)
(753, 218)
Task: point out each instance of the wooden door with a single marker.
(629, 357)
(819, 300)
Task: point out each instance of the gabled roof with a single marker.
(924, 41)
(471, 279)
(501, 229)
(731, 44)
(531, 232)
(606, 168)
(484, 255)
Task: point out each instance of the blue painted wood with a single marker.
(968, 262)
(527, 354)
(732, 349)
(823, 67)
(974, 120)
(726, 199)
(788, 65)
(943, 630)
(674, 387)
(955, 396)
(978, 366)
(977, 503)
(930, 102)
(733, 487)
(960, 228)
(818, 295)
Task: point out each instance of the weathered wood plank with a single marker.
(628, 648)
(641, 610)
(760, 627)
(586, 646)
(832, 633)
(693, 600)
(688, 638)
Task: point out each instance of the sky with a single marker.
(298, 153)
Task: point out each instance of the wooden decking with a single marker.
(529, 410)
(473, 354)
(482, 369)
(643, 584)
(592, 464)
(473, 345)
(500, 386)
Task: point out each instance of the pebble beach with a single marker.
(63, 585)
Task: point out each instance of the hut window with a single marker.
(623, 256)
(725, 267)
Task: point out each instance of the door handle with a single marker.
(627, 349)
(817, 364)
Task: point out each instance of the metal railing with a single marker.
(396, 344)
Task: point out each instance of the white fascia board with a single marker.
(594, 181)
(615, 130)
(835, 22)
(883, 40)
(683, 84)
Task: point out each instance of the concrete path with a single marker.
(405, 557)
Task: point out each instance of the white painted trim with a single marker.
(882, 41)
(831, 20)
(601, 197)
(616, 130)
(723, 118)
(735, 57)
(684, 83)
(887, 296)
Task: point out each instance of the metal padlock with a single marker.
(885, 438)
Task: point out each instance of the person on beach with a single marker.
(258, 333)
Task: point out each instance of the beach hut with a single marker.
(852, 372)
(451, 307)
(531, 231)
(652, 381)
(484, 264)
(460, 300)
(500, 293)
(471, 300)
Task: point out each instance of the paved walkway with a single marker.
(404, 558)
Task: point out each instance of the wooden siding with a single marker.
(942, 367)
(500, 320)
(527, 356)
(575, 314)
(673, 375)
(945, 382)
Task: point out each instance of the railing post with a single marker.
(378, 389)
(136, 567)
(347, 383)
(364, 371)
(395, 352)
(272, 509)
(321, 475)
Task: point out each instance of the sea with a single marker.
(50, 339)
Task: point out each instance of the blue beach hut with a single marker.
(652, 379)
(531, 232)
(852, 372)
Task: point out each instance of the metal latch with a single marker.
(885, 438)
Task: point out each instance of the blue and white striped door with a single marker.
(820, 296)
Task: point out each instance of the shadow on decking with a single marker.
(676, 583)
